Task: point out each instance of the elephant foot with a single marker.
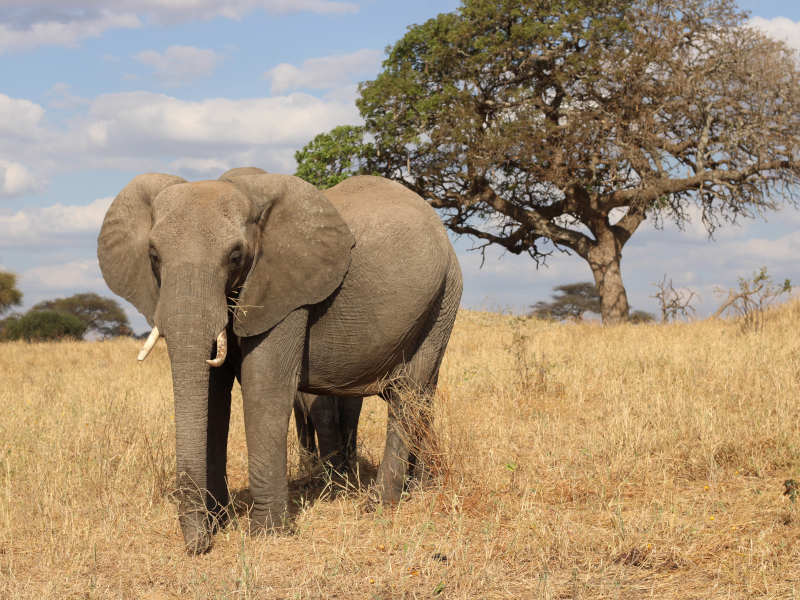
(274, 520)
(196, 534)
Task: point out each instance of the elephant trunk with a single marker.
(190, 314)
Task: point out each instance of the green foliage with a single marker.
(102, 315)
(9, 294)
(332, 157)
(527, 123)
(570, 300)
(43, 325)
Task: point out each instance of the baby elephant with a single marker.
(334, 420)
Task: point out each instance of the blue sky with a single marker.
(95, 92)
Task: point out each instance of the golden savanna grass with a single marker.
(637, 461)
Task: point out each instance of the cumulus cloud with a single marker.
(56, 30)
(60, 96)
(324, 73)
(179, 65)
(198, 168)
(16, 179)
(155, 126)
(52, 223)
(32, 23)
(779, 28)
(19, 118)
(73, 275)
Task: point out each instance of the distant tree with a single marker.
(9, 294)
(562, 125)
(101, 315)
(640, 316)
(332, 157)
(673, 303)
(570, 300)
(43, 325)
(753, 296)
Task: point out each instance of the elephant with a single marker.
(262, 277)
(334, 420)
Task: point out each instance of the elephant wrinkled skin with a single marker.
(330, 293)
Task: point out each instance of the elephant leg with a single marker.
(270, 371)
(394, 465)
(219, 415)
(325, 416)
(306, 433)
(349, 413)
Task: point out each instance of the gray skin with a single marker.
(328, 424)
(350, 292)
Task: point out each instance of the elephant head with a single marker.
(246, 249)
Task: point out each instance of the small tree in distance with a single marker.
(43, 325)
(9, 294)
(673, 303)
(753, 296)
(570, 300)
(560, 125)
(101, 315)
(573, 300)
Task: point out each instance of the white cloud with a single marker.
(16, 179)
(198, 168)
(52, 223)
(73, 275)
(324, 73)
(63, 32)
(60, 96)
(32, 23)
(779, 28)
(19, 118)
(150, 127)
(181, 64)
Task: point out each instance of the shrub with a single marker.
(43, 325)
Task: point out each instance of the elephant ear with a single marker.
(231, 174)
(303, 254)
(123, 243)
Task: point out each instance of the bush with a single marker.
(43, 325)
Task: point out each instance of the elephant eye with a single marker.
(155, 265)
(236, 257)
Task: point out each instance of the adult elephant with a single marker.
(327, 428)
(263, 277)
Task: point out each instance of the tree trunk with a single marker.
(604, 260)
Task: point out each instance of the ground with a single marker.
(572, 461)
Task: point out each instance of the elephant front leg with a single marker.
(219, 415)
(270, 371)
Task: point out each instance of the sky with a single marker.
(95, 92)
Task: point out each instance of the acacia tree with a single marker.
(102, 315)
(562, 125)
(9, 294)
(570, 300)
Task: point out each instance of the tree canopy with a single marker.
(43, 325)
(332, 157)
(570, 300)
(563, 125)
(101, 315)
(9, 294)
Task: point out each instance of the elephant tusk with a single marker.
(222, 350)
(148, 345)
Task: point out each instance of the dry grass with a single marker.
(579, 462)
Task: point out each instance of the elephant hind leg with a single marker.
(409, 433)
